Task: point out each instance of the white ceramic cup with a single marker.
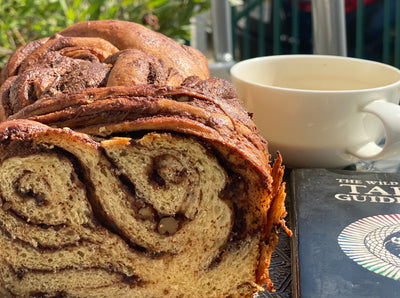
(322, 111)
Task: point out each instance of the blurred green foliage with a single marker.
(22, 21)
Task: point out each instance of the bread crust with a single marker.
(129, 35)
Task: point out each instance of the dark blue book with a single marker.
(346, 228)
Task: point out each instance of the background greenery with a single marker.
(22, 21)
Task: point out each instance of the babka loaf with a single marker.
(126, 170)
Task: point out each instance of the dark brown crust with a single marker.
(26, 130)
(11, 68)
(128, 35)
(103, 38)
(111, 110)
(45, 79)
(92, 55)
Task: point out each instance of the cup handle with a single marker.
(389, 114)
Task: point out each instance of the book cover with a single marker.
(346, 228)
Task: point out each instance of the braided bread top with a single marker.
(102, 38)
(95, 54)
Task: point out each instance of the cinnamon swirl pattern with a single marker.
(126, 216)
(120, 174)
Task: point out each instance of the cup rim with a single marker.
(235, 73)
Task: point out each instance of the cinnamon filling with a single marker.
(165, 170)
(30, 193)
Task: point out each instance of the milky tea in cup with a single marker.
(322, 111)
